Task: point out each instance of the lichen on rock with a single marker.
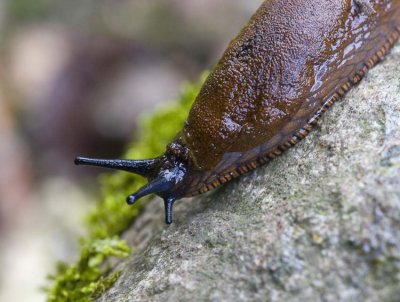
(319, 223)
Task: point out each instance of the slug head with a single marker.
(163, 174)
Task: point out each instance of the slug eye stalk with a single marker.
(141, 167)
(161, 184)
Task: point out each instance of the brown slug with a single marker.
(292, 61)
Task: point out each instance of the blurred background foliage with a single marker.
(75, 76)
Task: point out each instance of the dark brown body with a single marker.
(286, 67)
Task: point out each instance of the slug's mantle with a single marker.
(319, 223)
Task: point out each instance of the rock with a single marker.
(320, 223)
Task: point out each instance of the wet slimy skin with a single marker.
(292, 61)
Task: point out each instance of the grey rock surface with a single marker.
(320, 223)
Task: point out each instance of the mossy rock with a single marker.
(320, 223)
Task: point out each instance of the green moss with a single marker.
(92, 275)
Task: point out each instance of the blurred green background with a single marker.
(74, 78)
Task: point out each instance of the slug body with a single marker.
(284, 69)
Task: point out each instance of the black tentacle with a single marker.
(168, 203)
(158, 185)
(162, 173)
(142, 167)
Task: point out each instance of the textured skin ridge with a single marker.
(303, 132)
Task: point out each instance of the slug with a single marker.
(289, 64)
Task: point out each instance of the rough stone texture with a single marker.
(320, 223)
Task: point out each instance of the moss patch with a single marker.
(92, 275)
